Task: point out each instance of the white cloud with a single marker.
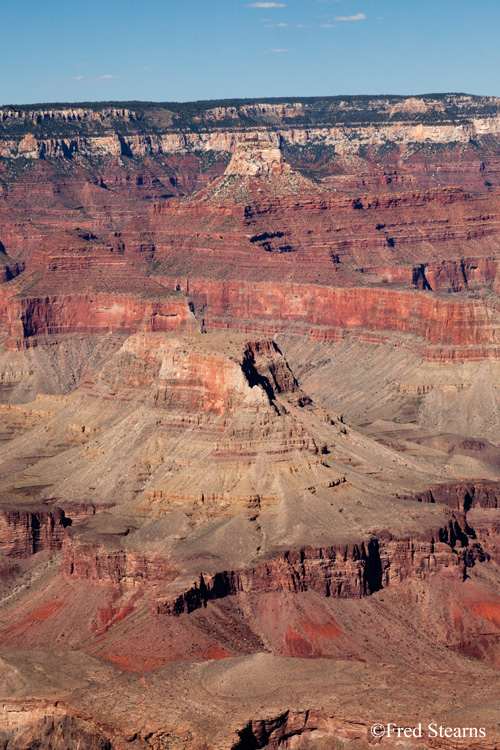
(357, 17)
(77, 78)
(266, 5)
(280, 50)
(327, 25)
(105, 77)
(275, 25)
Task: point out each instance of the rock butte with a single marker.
(249, 401)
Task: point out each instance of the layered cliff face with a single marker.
(105, 165)
(249, 458)
(367, 219)
(447, 119)
(26, 532)
(260, 229)
(31, 316)
(325, 247)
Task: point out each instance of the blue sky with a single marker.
(181, 50)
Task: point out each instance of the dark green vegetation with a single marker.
(98, 118)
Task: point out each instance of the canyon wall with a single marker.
(207, 515)
(469, 328)
(343, 140)
(25, 532)
(104, 565)
(28, 316)
(346, 571)
(440, 327)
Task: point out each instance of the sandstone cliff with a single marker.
(26, 532)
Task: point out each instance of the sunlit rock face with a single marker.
(249, 420)
(254, 158)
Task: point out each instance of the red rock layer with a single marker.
(305, 229)
(196, 380)
(260, 231)
(441, 321)
(349, 571)
(105, 565)
(99, 195)
(197, 383)
(25, 532)
(9, 269)
(469, 328)
(31, 316)
(463, 495)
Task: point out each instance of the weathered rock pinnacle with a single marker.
(254, 158)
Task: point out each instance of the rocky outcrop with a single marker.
(196, 383)
(66, 115)
(456, 275)
(195, 379)
(25, 532)
(327, 312)
(263, 364)
(255, 158)
(103, 564)
(47, 726)
(463, 496)
(316, 729)
(346, 571)
(100, 313)
(290, 727)
(9, 268)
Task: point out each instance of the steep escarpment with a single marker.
(464, 496)
(9, 268)
(458, 329)
(50, 729)
(93, 313)
(26, 532)
(263, 217)
(347, 571)
(104, 565)
(353, 248)
(95, 168)
(119, 129)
